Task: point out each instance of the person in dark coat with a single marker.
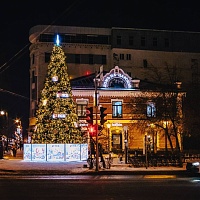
(14, 149)
(101, 155)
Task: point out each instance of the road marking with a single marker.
(160, 176)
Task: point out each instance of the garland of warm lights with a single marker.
(56, 118)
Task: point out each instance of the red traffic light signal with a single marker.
(92, 129)
(102, 115)
(89, 115)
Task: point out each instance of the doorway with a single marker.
(117, 142)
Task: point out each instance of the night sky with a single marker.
(17, 19)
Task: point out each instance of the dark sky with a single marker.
(17, 18)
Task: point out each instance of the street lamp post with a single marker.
(154, 142)
(166, 135)
(96, 120)
(1, 147)
(146, 153)
(5, 113)
(126, 143)
(19, 137)
(108, 127)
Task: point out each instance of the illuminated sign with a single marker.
(60, 116)
(61, 94)
(116, 124)
(55, 152)
(55, 78)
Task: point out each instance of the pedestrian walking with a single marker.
(14, 150)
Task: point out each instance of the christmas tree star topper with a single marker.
(57, 40)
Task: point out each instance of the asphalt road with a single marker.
(104, 187)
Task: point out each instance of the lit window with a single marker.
(151, 109)
(81, 107)
(117, 109)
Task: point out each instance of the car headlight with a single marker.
(195, 164)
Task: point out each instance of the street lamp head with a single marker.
(108, 125)
(152, 125)
(17, 121)
(125, 128)
(2, 112)
(5, 113)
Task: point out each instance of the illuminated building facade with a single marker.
(138, 52)
(133, 111)
(135, 51)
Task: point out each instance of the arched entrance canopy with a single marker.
(116, 78)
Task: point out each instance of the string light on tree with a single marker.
(56, 118)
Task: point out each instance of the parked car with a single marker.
(193, 166)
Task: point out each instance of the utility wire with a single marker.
(70, 9)
(15, 94)
(6, 64)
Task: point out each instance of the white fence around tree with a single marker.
(55, 152)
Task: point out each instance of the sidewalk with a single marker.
(16, 165)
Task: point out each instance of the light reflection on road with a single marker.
(102, 177)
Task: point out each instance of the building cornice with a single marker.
(118, 93)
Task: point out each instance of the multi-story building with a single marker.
(140, 54)
(153, 55)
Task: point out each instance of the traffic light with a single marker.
(102, 115)
(89, 115)
(92, 129)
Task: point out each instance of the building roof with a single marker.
(87, 82)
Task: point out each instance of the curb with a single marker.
(93, 172)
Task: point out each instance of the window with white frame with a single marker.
(81, 107)
(116, 108)
(151, 109)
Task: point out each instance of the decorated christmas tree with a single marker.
(56, 117)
